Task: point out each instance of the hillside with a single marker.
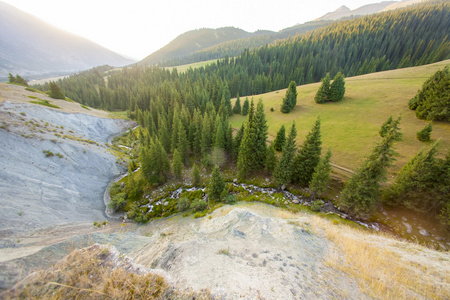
(32, 48)
(196, 40)
(350, 127)
(207, 44)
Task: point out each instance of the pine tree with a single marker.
(308, 156)
(196, 177)
(280, 139)
(206, 135)
(237, 105)
(322, 94)
(260, 136)
(245, 107)
(55, 91)
(216, 185)
(237, 141)
(417, 186)
(11, 77)
(337, 88)
(290, 99)
(271, 159)
(183, 144)
(360, 194)
(175, 127)
(20, 80)
(321, 176)
(424, 134)
(163, 133)
(177, 164)
(283, 170)
(245, 162)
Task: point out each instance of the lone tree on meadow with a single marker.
(337, 88)
(432, 102)
(290, 99)
(331, 92)
(323, 92)
(425, 134)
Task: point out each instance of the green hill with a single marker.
(350, 127)
(196, 40)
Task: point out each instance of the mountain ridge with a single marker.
(34, 48)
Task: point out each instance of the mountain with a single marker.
(207, 44)
(197, 40)
(32, 48)
(344, 11)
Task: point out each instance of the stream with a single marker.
(421, 230)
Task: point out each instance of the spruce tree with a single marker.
(321, 176)
(175, 127)
(260, 136)
(11, 77)
(322, 94)
(283, 170)
(290, 99)
(206, 139)
(163, 133)
(20, 80)
(216, 185)
(418, 185)
(280, 139)
(271, 159)
(237, 105)
(183, 144)
(337, 88)
(55, 91)
(308, 156)
(360, 194)
(177, 164)
(196, 177)
(237, 141)
(245, 107)
(424, 134)
(245, 162)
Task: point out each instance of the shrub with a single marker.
(424, 134)
(199, 205)
(118, 202)
(316, 205)
(183, 204)
(230, 199)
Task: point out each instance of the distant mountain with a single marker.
(197, 40)
(344, 11)
(206, 44)
(32, 48)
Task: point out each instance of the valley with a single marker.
(308, 163)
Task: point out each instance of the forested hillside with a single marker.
(235, 47)
(409, 37)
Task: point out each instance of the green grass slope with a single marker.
(350, 127)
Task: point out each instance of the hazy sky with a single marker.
(137, 28)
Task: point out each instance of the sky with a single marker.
(137, 28)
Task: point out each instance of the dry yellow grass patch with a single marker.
(97, 272)
(386, 268)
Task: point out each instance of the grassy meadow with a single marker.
(350, 127)
(183, 68)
